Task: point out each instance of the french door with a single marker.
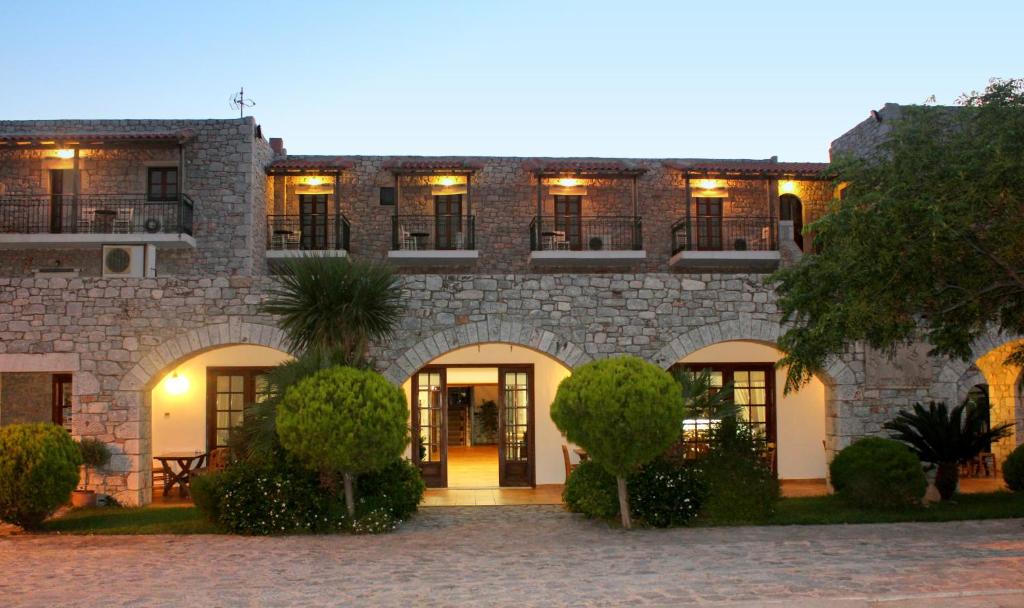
(430, 425)
(59, 178)
(753, 390)
(61, 398)
(229, 391)
(516, 437)
(313, 221)
(448, 221)
(709, 224)
(790, 208)
(568, 219)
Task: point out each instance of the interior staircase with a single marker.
(458, 425)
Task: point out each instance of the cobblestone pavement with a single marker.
(529, 556)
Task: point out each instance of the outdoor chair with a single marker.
(216, 461)
(292, 239)
(409, 241)
(569, 466)
(123, 221)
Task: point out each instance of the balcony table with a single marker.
(104, 220)
(420, 238)
(186, 461)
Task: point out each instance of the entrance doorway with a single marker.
(473, 425)
(791, 209)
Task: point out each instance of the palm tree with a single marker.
(946, 437)
(327, 305)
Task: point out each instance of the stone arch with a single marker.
(491, 331)
(133, 395)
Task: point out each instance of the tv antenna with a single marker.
(240, 102)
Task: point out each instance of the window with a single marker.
(387, 195)
(229, 391)
(62, 400)
(162, 184)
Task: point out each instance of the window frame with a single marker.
(168, 190)
(248, 397)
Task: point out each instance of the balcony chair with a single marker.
(457, 241)
(293, 239)
(408, 242)
(557, 241)
(123, 221)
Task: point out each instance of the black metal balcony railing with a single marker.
(94, 214)
(725, 234)
(313, 232)
(433, 232)
(586, 233)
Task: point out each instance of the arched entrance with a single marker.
(790, 208)
(480, 417)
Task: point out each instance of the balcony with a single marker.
(433, 239)
(292, 236)
(55, 220)
(581, 240)
(725, 244)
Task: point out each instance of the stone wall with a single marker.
(26, 397)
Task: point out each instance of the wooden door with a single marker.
(57, 194)
(430, 425)
(61, 413)
(447, 221)
(790, 208)
(229, 391)
(568, 219)
(516, 437)
(313, 221)
(709, 224)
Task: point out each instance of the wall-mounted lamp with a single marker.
(65, 153)
(788, 186)
(447, 181)
(707, 184)
(568, 182)
(314, 181)
(176, 384)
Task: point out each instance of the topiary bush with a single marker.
(398, 488)
(38, 471)
(665, 493)
(878, 473)
(590, 490)
(742, 488)
(1013, 470)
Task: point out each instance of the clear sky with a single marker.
(528, 78)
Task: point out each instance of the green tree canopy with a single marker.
(345, 421)
(928, 240)
(623, 411)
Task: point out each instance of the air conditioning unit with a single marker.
(129, 261)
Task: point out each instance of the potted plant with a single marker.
(95, 454)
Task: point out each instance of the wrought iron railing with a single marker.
(433, 232)
(725, 234)
(586, 233)
(94, 214)
(313, 232)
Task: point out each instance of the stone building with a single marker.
(134, 256)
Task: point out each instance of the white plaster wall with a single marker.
(800, 417)
(179, 421)
(547, 374)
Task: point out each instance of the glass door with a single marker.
(229, 391)
(430, 426)
(515, 427)
(568, 217)
(448, 221)
(62, 400)
(709, 224)
(313, 221)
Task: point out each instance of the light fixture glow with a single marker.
(788, 186)
(176, 384)
(447, 181)
(314, 181)
(65, 153)
(708, 184)
(568, 182)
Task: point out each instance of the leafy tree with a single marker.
(929, 238)
(328, 304)
(344, 421)
(946, 437)
(623, 411)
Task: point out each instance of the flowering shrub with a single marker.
(663, 493)
(590, 490)
(397, 488)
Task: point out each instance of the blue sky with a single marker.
(529, 78)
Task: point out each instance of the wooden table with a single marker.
(186, 461)
(420, 237)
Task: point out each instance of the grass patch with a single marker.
(141, 520)
(831, 510)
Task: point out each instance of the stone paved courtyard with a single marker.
(529, 556)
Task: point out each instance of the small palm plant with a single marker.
(946, 438)
(330, 305)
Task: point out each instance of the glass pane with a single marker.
(222, 402)
(236, 418)
(757, 414)
(236, 401)
(222, 437)
(222, 384)
(740, 378)
(237, 384)
(222, 419)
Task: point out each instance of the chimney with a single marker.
(277, 145)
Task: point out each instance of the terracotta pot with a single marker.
(83, 498)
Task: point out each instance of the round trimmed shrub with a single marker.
(591, 490)
(878, 473)
(664, 493)
(38, 470)
(1013, 470)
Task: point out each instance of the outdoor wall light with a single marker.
(568, 182)
(314, 181)
(447, 181)
(708, 184)
(65, 153)
(788, 186)
(176, 384)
